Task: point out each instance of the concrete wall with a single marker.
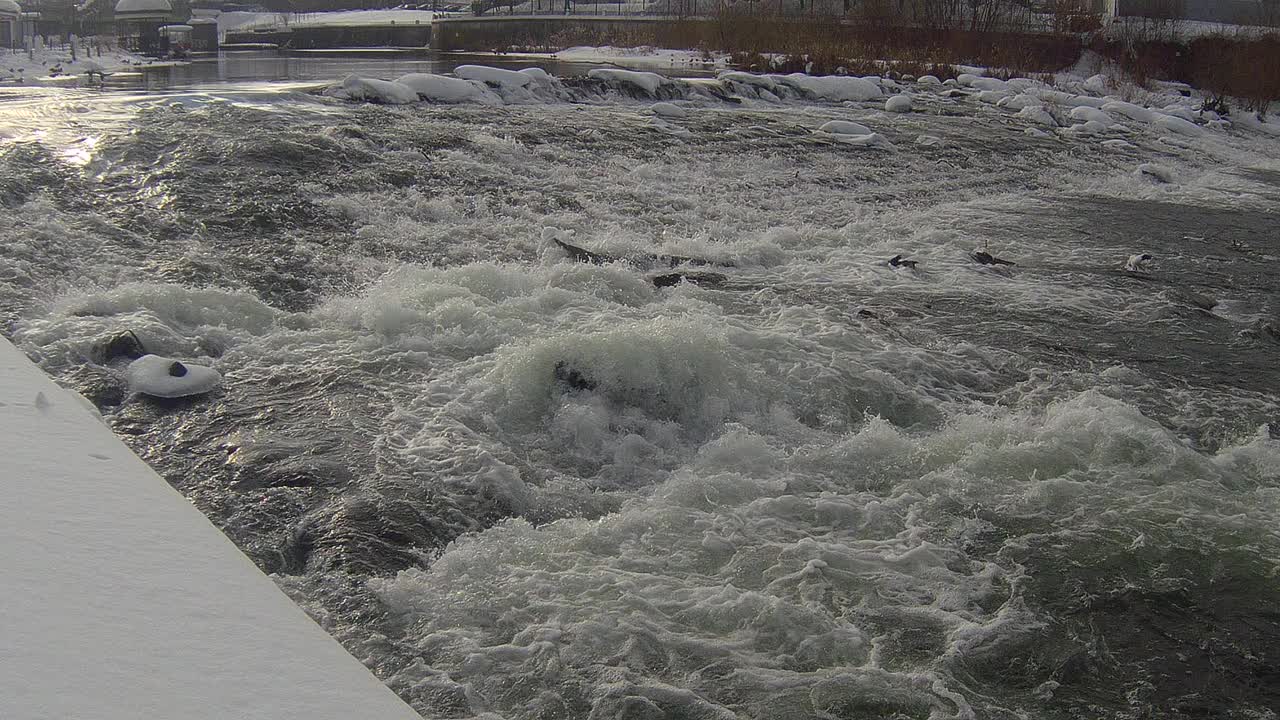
(487, 33)
(312, 38)
(1235, 12)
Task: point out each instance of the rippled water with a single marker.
(827, 489)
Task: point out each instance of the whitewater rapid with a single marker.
(828, 488)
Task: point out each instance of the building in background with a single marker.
(138, 24)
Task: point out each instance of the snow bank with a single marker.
(647, 81)
(53, 66)
(121, 600)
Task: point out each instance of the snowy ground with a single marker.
(53, 65)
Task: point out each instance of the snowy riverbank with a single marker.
(122, 601)
(56, 65)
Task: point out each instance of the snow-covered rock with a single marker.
(442, 89)
(1036, 133)
(646, 81)
(168, 378)
(992, 96)
(1129, 110)
(494, 77)
(1179, 126)
(928, 80)
(355, 87)
(1020, 101)
(1096, 84)
(845, 127)
(833, 88)
(1085, 113)
(760, 81)
(1117, 144)
(898, 104)
(982, 83)
(669, 110)
(1037, 114)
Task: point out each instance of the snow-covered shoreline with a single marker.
(121, 600)
(56, 66)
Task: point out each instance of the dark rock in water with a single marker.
(584, 255)
(571, 379)
(898, 261)
(708, 279)
(126, 345)
(177, 369)
(982, 257)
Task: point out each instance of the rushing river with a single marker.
(823, 488)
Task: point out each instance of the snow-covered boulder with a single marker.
(898, 104)
(1038, 115)
(646, 81)
(992, 96)
(355, 87)
(441, 89)
(1129, 110)
(669, 110)
(168, 378)
(493, 77)
(1020, 101)
(1096, 84)
(833, 88)
(1085, 113)
(759, 81)
(982, 83)
(844, 127)
(1117, 144)
(1179, 126)
(928, 80)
